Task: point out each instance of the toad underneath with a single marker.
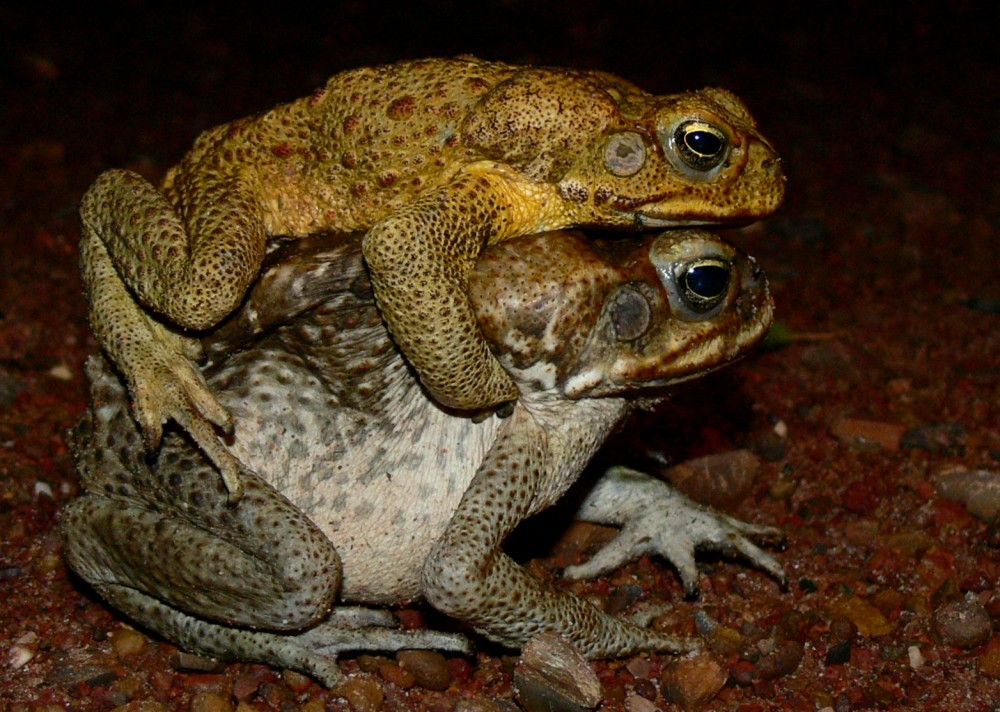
(434, 159)
(370, 494)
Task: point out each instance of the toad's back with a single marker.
(366, 143)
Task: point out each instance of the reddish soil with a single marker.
(884, 263)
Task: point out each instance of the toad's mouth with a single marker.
(649, 221)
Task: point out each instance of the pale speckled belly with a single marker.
(383, 489)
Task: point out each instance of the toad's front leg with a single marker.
(657, 519)
(468, 576)
(148, 274)
(420, 260)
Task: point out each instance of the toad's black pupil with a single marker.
(704, 143)
(707, 281)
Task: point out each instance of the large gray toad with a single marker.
(371, 494)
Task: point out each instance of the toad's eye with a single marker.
(704, 284)
(624, 153)
(700, 145)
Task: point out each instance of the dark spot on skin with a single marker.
(401, 107)
(574, 192)
(282, 150)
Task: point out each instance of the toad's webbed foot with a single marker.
(656, 519)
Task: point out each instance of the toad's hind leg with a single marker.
(167, 530)
(313, 651)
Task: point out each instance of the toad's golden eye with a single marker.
(700, 145)
(624, 153)
(704, 284)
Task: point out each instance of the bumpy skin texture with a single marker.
(370, 493)
(435, 159)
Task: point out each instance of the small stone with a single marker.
(770, 445)
(428, 667)
(210, 702)
(964, 623)
(23, 650)
(143, 706)
(638, 703)
(720, 480)
(869, 619)
(553, 674)
(989, 662)
(842, 631)
(392, 671)
(245, 687)
(641, 668)
(978, 490)
(911, 544)
(693, 682)
(313, 705)
(622, 597)
(867, 435)
(915, 657)
(839, 654)
(61, 372)
(942, 438)
(189, 662)
(783, 660)
(362, 693)
(296, 680)
(127, 641)
(477, 704)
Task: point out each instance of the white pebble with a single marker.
(916, 657)
(22, 651)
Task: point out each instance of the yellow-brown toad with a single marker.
(435, 159)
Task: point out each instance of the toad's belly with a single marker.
(383, 494)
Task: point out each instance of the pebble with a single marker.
(770, 445)
(553, 674)
(477, 704)
(869, 620)
(362, 693)
(868, 435)
(392, 671)
(638, 703)
(693, 682)
(211, 702)
(296, 680)
(428, 667)
(127, 641)
(964, 623)
(941, 438)
(622, 597)
(839, 654)
(978, 490)
(915, 657)
(23, 650)
(189, 662)
(720, 480)
(783, 660)
(989, 662)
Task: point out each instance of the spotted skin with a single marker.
(435, 159)
(369, 492)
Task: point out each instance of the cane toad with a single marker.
(371, 494)
(434, 159)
